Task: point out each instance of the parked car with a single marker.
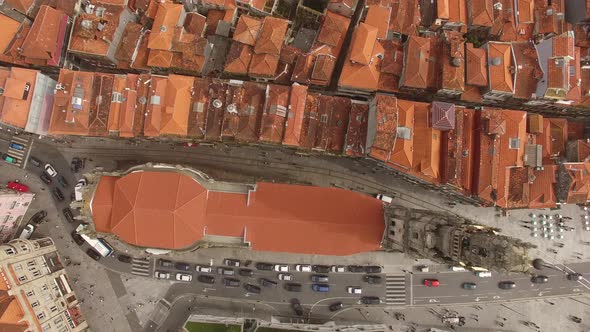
(35, 162)
(319, 278)
(14, 185)
(203, 268)
(469, 285)
(68, 214)
(124, 259)
(58, 194)
(252, 288)
(431, 283)
(231, 282)
(264, 266)
(27, 232)
(372, 279)
(225, 271)
(184, 277)
(296, 305)
(231, 262)
(506, 285)
(45, 178)
(245, 272)
(77, 238)
(483, 274)
(285, 276)
(206, 279)
(356, 268)
(62, 181)
(182, 266)
(456, 268)
(38, 217)
(303, 268)
(93, 254)
(16, 146)
(293, 287)
(540, 279)
(338, 268)
(281, 268)
(9, 159)
(336, 306)
(320, 268)
(50, 170)
(162, 275)
(354, 290)
(574, 276)
(268, 283)
(373, 269)
(165, 263)
(370, 300)
(322, 288)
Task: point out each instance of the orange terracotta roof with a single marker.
(295, 115)
(542, 189)
(363, 41)
(197, 121)
(263, 65)
(18, 91)
(458, 152)
(405, 17)
(582, 148)
(378, 16)
(575, 91)
(160, 58)
(22, 6)
(250, 111)
(271, 36)
(453, 64)
(173, 211)
(129, 41)
(310, 125)
(563, 45)
(195, 23)
(476, 66)
(403, 151)
(177, 105)
(156, 101)
(238, 58)
(86, 36)
(356, 134)
(9, 29)
(333, 115)
(247, 29)
(442, 9)
(528, 69)
(426, 145)
(364, 77)
(553, 139)
(119, 85)
(386, 127)
(71, 106)
(500, 61)
(333, 28)
(579, 189)
(163, 28)
(419, 63)
(42, 40)
(457, 11)
(275, 113)
(526, 11)
(323, 67)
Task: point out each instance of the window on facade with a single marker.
(514, 143)
(30, 293)
(41, 315)
(36, 273)
(31, 263)
(9, 251)
(44, 287)
(35, 304)
(53, 309)
(58, 320)
(17, 267)
(46, 327)
(22, 278)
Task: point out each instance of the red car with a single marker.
(17, 186)
(431, 283)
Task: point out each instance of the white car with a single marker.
(483, 274)
(285, 276)
(303, 268)
(184, 277)
(281, 268)
(50, 170)
(162, 275)
(27, 232)
(354, 290)
(204, 268)
(338, 268)
(456, 268)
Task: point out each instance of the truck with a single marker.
(100, 245)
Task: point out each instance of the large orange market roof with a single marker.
(172, 210)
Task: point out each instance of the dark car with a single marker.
(39, 216)
(36, 162)
(165, 263)
(68, 214)
(268, 283)
(231, 282)
(225, 271)
(293, 287)
(296, 305)
(124, 258)
(264, 266)
(231, 262)
(372, 279)
(45, 178)
(336, 306)
(206, 279)
(182, 266)
(373, 269)
(574, 276)
(93, 254)
(539, 279)
(469, 285)
(370, 300)
(58, 194)
(252, 288)
(319, 278)
(62, 181)
(356, 268)
(246, 272)
(77, 238)
(506, 285)
(320, 268)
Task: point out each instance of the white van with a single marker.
(27, 232)
(78, 189)
(456, 268)
(483, 274)
(384, 198)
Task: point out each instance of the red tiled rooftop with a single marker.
(458, 152)
(356, 135)
(419, 63)
(263, 65)
(405, 17)
(386, 127)
(499, 63)
(403, 151)
(87, 38)
(334, 115)
(173, 211)
(163, 28)
(271, 36)
(238, 58)
(363, 40)
(542, 189)
(43, 40)
(453, 63)
(9, 29)
(378, 16)
(476, 66)
(528, 70)
(275, 113)
(247, 29)
(15, 102)
(71, 106)
(295, 115)
(333, 28)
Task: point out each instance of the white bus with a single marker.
(100, 245)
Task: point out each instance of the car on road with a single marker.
(165, 263)
(281, 268)
(372, 279)
(124, 258)
(245, 272)
(9, 159)
(206, 279)
(16, 146)
(356, 268)
(35, 162)
(539, 279)
(320, 268)
(336, 306)
(184, 277)
(296, 305)
(264, 266)
(14, 185)
(162, 275)
(252, 288)
(322, 288)
(203, 268)
(68, 214)
(268, 283)
(182, 266)
(373, 269)
(506, 285)
(38, 217)
(225, 271)
(338, 268)
(483, 274)
(231, 262)
(303, 268)
(431, 283)
(456, 268)
(293, 287)
(370, 300)
(285, 276)
(354, 290)
(319, 278)
(469, 285)
(62, 181)
(27, 232)
(77, 238)
(574, 276)
(50, 170)
(45, 178)
(93, 254)
(231, 282)
(58, 194)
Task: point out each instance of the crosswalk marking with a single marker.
(20, 155)
(395, 289)
(141, 267)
